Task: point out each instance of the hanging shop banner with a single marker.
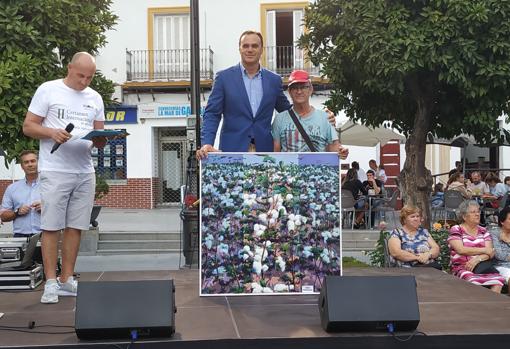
(165, 111)
(121, 115)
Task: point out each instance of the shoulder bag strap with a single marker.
(301, 130)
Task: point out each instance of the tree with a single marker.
(438, 66)
(37, 40)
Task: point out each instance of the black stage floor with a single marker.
(453, 314)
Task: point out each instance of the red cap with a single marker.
(298, 76)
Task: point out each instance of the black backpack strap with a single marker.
(302, 131)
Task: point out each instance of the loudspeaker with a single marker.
(125, 309)
(369, 303)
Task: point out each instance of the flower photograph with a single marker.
(269, 223)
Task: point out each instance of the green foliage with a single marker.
(388, 59)
(102, 188)
(37, 40)
(440, 236)
(377, 256)
(351, 262)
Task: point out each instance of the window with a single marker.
(169, 42)
(282, 25)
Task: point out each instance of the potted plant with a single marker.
(102, 188)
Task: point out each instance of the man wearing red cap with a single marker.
(286, 136)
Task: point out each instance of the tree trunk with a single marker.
(415, 178)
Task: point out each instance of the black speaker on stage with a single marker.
(125, 309)
(369, 303)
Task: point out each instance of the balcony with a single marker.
(166, 65)
(284, 59)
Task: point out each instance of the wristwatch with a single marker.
(16, 213)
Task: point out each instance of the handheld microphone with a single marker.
(68, 128)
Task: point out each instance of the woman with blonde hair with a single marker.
(412, 245)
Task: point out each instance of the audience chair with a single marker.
(452, 201)
(348, 207)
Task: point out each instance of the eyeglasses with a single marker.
(299, 87)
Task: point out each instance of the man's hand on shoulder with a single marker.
(206, 148)
(331, 117)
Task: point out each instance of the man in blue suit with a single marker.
(245, 95)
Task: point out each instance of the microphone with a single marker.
(69, 128)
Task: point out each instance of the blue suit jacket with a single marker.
(229, 100)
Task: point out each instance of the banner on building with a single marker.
(121, 115)
(157, 111)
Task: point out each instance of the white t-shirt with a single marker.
(60, 105)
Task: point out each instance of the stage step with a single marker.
(135, 235)
(147, 251)
(138, 244)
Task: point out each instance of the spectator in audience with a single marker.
(412, 245)
(471, 249)
(380, 174)
(362, 176)
(354, 185)
(458, 168)
(373, 187)
(507, 183)
(501, 240)
(476, 185)
(437, 199)
(457, 182)
(497, 189)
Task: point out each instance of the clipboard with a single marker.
(105, 133)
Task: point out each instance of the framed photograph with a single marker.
(95, 162)
(119, 162)
(106, 149)
(106, 162)
(94, 151)
(119, 149)
(269, 223)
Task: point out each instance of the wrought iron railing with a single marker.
(166, 65)
(284, 59)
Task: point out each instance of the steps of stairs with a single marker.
(138, 251)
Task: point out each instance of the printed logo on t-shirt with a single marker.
(61, 113)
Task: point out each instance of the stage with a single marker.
(453, 314)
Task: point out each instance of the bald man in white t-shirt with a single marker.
(67, 179)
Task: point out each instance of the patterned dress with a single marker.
(414, 244)
(458, 262)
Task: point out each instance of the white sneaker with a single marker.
(68, 288)
(50, 294)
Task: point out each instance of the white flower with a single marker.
(256, 287)
(280, 262)
(265, 268)
(259, 229)
(263, 218)
(307, 251)
(325, 256)
(291, 225)
(283, 288)
(208, 212)
(209, 241)
(267, 290)
(226, 223)
(326, 235)
(223, 249)
(289, 197)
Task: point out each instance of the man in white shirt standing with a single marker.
(67, 179)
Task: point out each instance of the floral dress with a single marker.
(414, 244)
(458, 262)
